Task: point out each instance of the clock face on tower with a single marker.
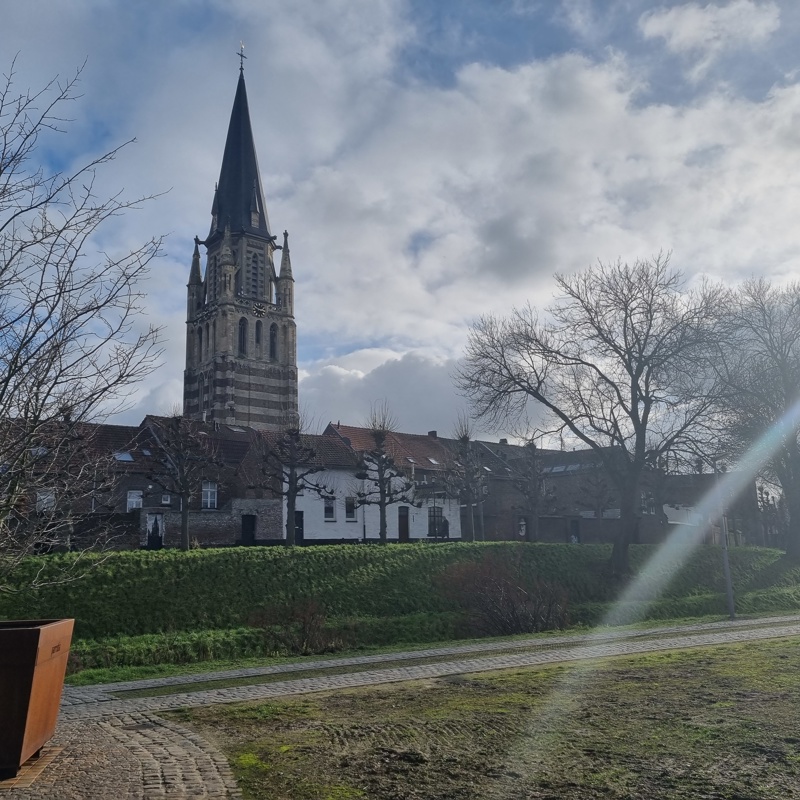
(259, 309)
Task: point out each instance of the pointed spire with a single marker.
(286, 263)
(195, 276)
(239, 198)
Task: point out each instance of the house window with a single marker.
(434, 520)
(166, 500)
(350, 509)
(330, 509)
(45, 500)
(209, 495)
(134, 499)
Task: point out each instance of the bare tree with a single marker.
(527, 477)
(69, 345)
(620, 366)
(759, 364)
(186, 455)
(285, 462)
(55, 497)
(464, 473)
(383, 483)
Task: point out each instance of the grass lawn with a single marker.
(718, 722)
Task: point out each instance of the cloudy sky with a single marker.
(433, 161)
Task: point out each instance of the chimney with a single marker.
(504, 441)
(432, 434)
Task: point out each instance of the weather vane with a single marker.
(242, 56)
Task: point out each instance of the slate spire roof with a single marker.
(239, 197)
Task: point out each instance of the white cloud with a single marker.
(417, 387)
(704, 32)
(414, 208)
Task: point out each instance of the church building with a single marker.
(241, 345)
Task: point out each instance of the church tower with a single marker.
(241, 344)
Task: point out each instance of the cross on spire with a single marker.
(242, 56)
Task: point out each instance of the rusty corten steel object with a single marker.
(33, 662)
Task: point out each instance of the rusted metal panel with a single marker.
(33, 662)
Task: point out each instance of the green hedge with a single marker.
(135, 593)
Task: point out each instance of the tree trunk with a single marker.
(628, 533)
(470, 532)
(532, 529)
(793, 528)
(184, 522)
(291, 504)
(382, 523)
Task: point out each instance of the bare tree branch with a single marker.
(71, 344)
(621, 366)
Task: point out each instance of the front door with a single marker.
(248, 529)
(298, 527)
(402, 523)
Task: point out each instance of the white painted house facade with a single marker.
(335, 515)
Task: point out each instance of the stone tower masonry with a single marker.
(241, 343)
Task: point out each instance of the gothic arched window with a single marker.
(207, 342)
(259, 328)
(199, 342)
(273, 341)
(242, 337)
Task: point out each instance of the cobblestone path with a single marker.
(120, 748)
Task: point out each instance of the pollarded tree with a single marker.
(382, 482)
(464, 473)
(285, 460)
(759, 365)
(70, 345)
(620, 365)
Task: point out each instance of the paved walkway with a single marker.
(110, 747)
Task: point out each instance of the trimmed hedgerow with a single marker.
(135, 593)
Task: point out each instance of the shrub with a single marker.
(502, 597)
(299, 628)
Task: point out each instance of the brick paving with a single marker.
(120, 748)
